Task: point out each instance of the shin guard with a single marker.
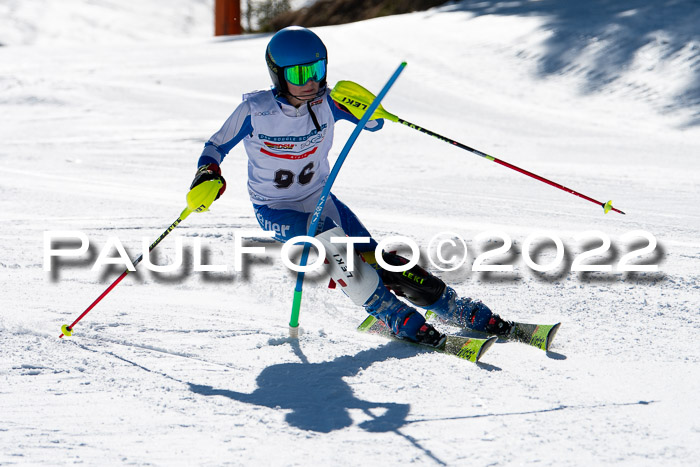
(419, 286)
(360, 282)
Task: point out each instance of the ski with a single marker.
(536, 335)
(467, 348)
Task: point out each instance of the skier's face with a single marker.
(300, 94)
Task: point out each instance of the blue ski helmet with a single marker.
(292, 46)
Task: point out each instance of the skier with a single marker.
(287, 133)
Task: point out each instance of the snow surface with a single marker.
(101, 124)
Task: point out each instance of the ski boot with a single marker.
(428, 291)
(472, 314)
(404, 321)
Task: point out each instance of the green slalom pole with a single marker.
(296, 302)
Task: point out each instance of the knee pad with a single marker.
(358, 284)
(418, 285)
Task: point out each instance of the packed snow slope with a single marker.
(100, 131)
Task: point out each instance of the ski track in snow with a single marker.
(191, 368)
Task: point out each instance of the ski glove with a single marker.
(209, 172)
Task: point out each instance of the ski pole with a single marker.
(354, 98)
(316, 217)
(68, 330)
(198, 200)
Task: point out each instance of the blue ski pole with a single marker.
(296, 304)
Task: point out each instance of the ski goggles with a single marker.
(299, 75)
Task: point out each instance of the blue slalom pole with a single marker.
(296, 304)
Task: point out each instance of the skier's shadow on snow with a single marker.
(318, 397)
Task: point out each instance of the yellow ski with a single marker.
(467, 348)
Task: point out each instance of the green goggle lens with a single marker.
(299, 75)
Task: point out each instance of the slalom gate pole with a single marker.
(355, 98)
(316, 217)
(68, 330)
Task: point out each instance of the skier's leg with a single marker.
(429, 292)
(364, 287)
(418, 286)
(286, 223)
(357, 280)
(289, 219)
(351, 225)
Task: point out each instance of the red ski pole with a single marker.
(355, 99)
(199, 199)
(67, 330)
(606, 206)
